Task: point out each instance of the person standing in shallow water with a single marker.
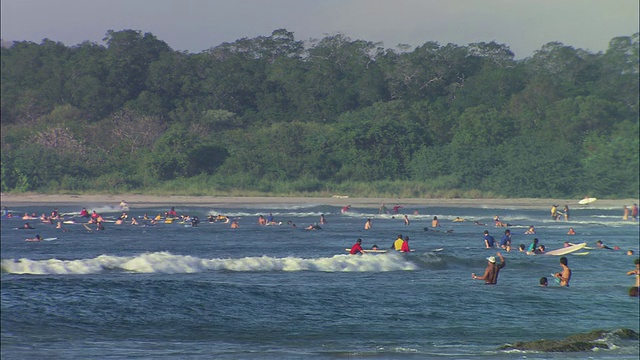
(565, 274)
(490, 275)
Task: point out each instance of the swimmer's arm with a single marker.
(633, 272)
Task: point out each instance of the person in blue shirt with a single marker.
(489, 241)
(505, 242)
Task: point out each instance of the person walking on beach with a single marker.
(490, 275)
(565, 274)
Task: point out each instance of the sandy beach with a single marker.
(135, 200)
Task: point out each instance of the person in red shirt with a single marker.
(405, 245)
(357, 248)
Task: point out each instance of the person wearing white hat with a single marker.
(490, 276)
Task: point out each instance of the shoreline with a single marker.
(136, 200)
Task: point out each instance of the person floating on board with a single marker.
(600, 245)
(405, 245)
(565, 274)
(195, 221)
(26, 226)
(459, 219)
(313, 227)
(533, 248)
(489, 241)
(357, 248)
(84, 213)
(172, 213)
(34, 239)
(490, 275)
(499, 223)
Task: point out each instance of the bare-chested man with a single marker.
(565, 274)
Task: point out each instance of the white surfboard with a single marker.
(379, 251)
(567, 250)
(50, 239)
(586, 201)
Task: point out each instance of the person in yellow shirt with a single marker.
(397, 244)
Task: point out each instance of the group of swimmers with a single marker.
(400, 244)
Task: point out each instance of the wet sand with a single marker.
(135, 200)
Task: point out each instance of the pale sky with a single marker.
(196, 25)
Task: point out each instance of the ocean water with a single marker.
(172, 291)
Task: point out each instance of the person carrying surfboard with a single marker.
(357, 248)
(490, 275)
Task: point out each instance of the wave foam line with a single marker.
(167, 263)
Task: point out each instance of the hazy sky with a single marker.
(197, 25)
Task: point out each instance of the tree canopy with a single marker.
(315, 115)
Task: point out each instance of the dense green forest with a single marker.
(276, 115)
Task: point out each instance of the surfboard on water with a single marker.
(586, 201)
(584, 248)
(86, 227)
(379, 251)
(50, 239)
(580, 253)
(567, 250)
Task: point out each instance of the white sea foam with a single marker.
(167, 263)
